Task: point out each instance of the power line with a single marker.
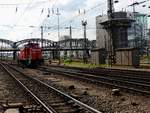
(73, 18)
(136, 4)
(86, 11)
(19, 4)
(28, 5)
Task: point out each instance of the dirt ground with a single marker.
(97, 96)
(10, 92)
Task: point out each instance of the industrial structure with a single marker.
(40, 75)
(137, 33)
(115, 32)
(119, 31)
(121, 22)
(50, 48)
(129, 30)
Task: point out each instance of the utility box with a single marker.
(98, 56)
(127, 57)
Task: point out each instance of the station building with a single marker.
(127, 31)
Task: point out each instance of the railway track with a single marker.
(132, 83)
(119, 72)
(114, 74)
(49, 98)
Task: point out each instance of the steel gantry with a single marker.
(50, 48)
(77, 47)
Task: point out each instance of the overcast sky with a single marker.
(21, 19)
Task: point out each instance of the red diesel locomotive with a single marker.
(30, 55)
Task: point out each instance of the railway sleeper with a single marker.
(67, 110)
(56, 101)
(72, 108)
(58, 104)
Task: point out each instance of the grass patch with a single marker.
(146, 58)
(82, 64)
(67, 61)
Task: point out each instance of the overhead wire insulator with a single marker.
(143, 5)
(42, 11)
(53, 11)
(16, 9)
(84, 11)
(116, 1)
(79, 11)
(48, 15)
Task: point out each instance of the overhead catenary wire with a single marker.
(137, 4)
(83, 13)
(53, 27)
(19, 4)
(28, 5)
(70, 19)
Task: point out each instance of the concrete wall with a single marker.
(101, 34)
(98, 56)
(127, 57)
(95, 57)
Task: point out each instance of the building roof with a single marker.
(118, 18)
(139, 14)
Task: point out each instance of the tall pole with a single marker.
(135, 42)
(1, 49)
(70, 29)
(134, 6)
(110, 8)
(58, 14)
(41, 36)
(84, 23)
(110, 40)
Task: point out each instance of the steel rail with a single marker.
(117, 72)
(119, 77)
(98, 79)
(113, 75)
(65, 95)
(108, 70)
(49, 110)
